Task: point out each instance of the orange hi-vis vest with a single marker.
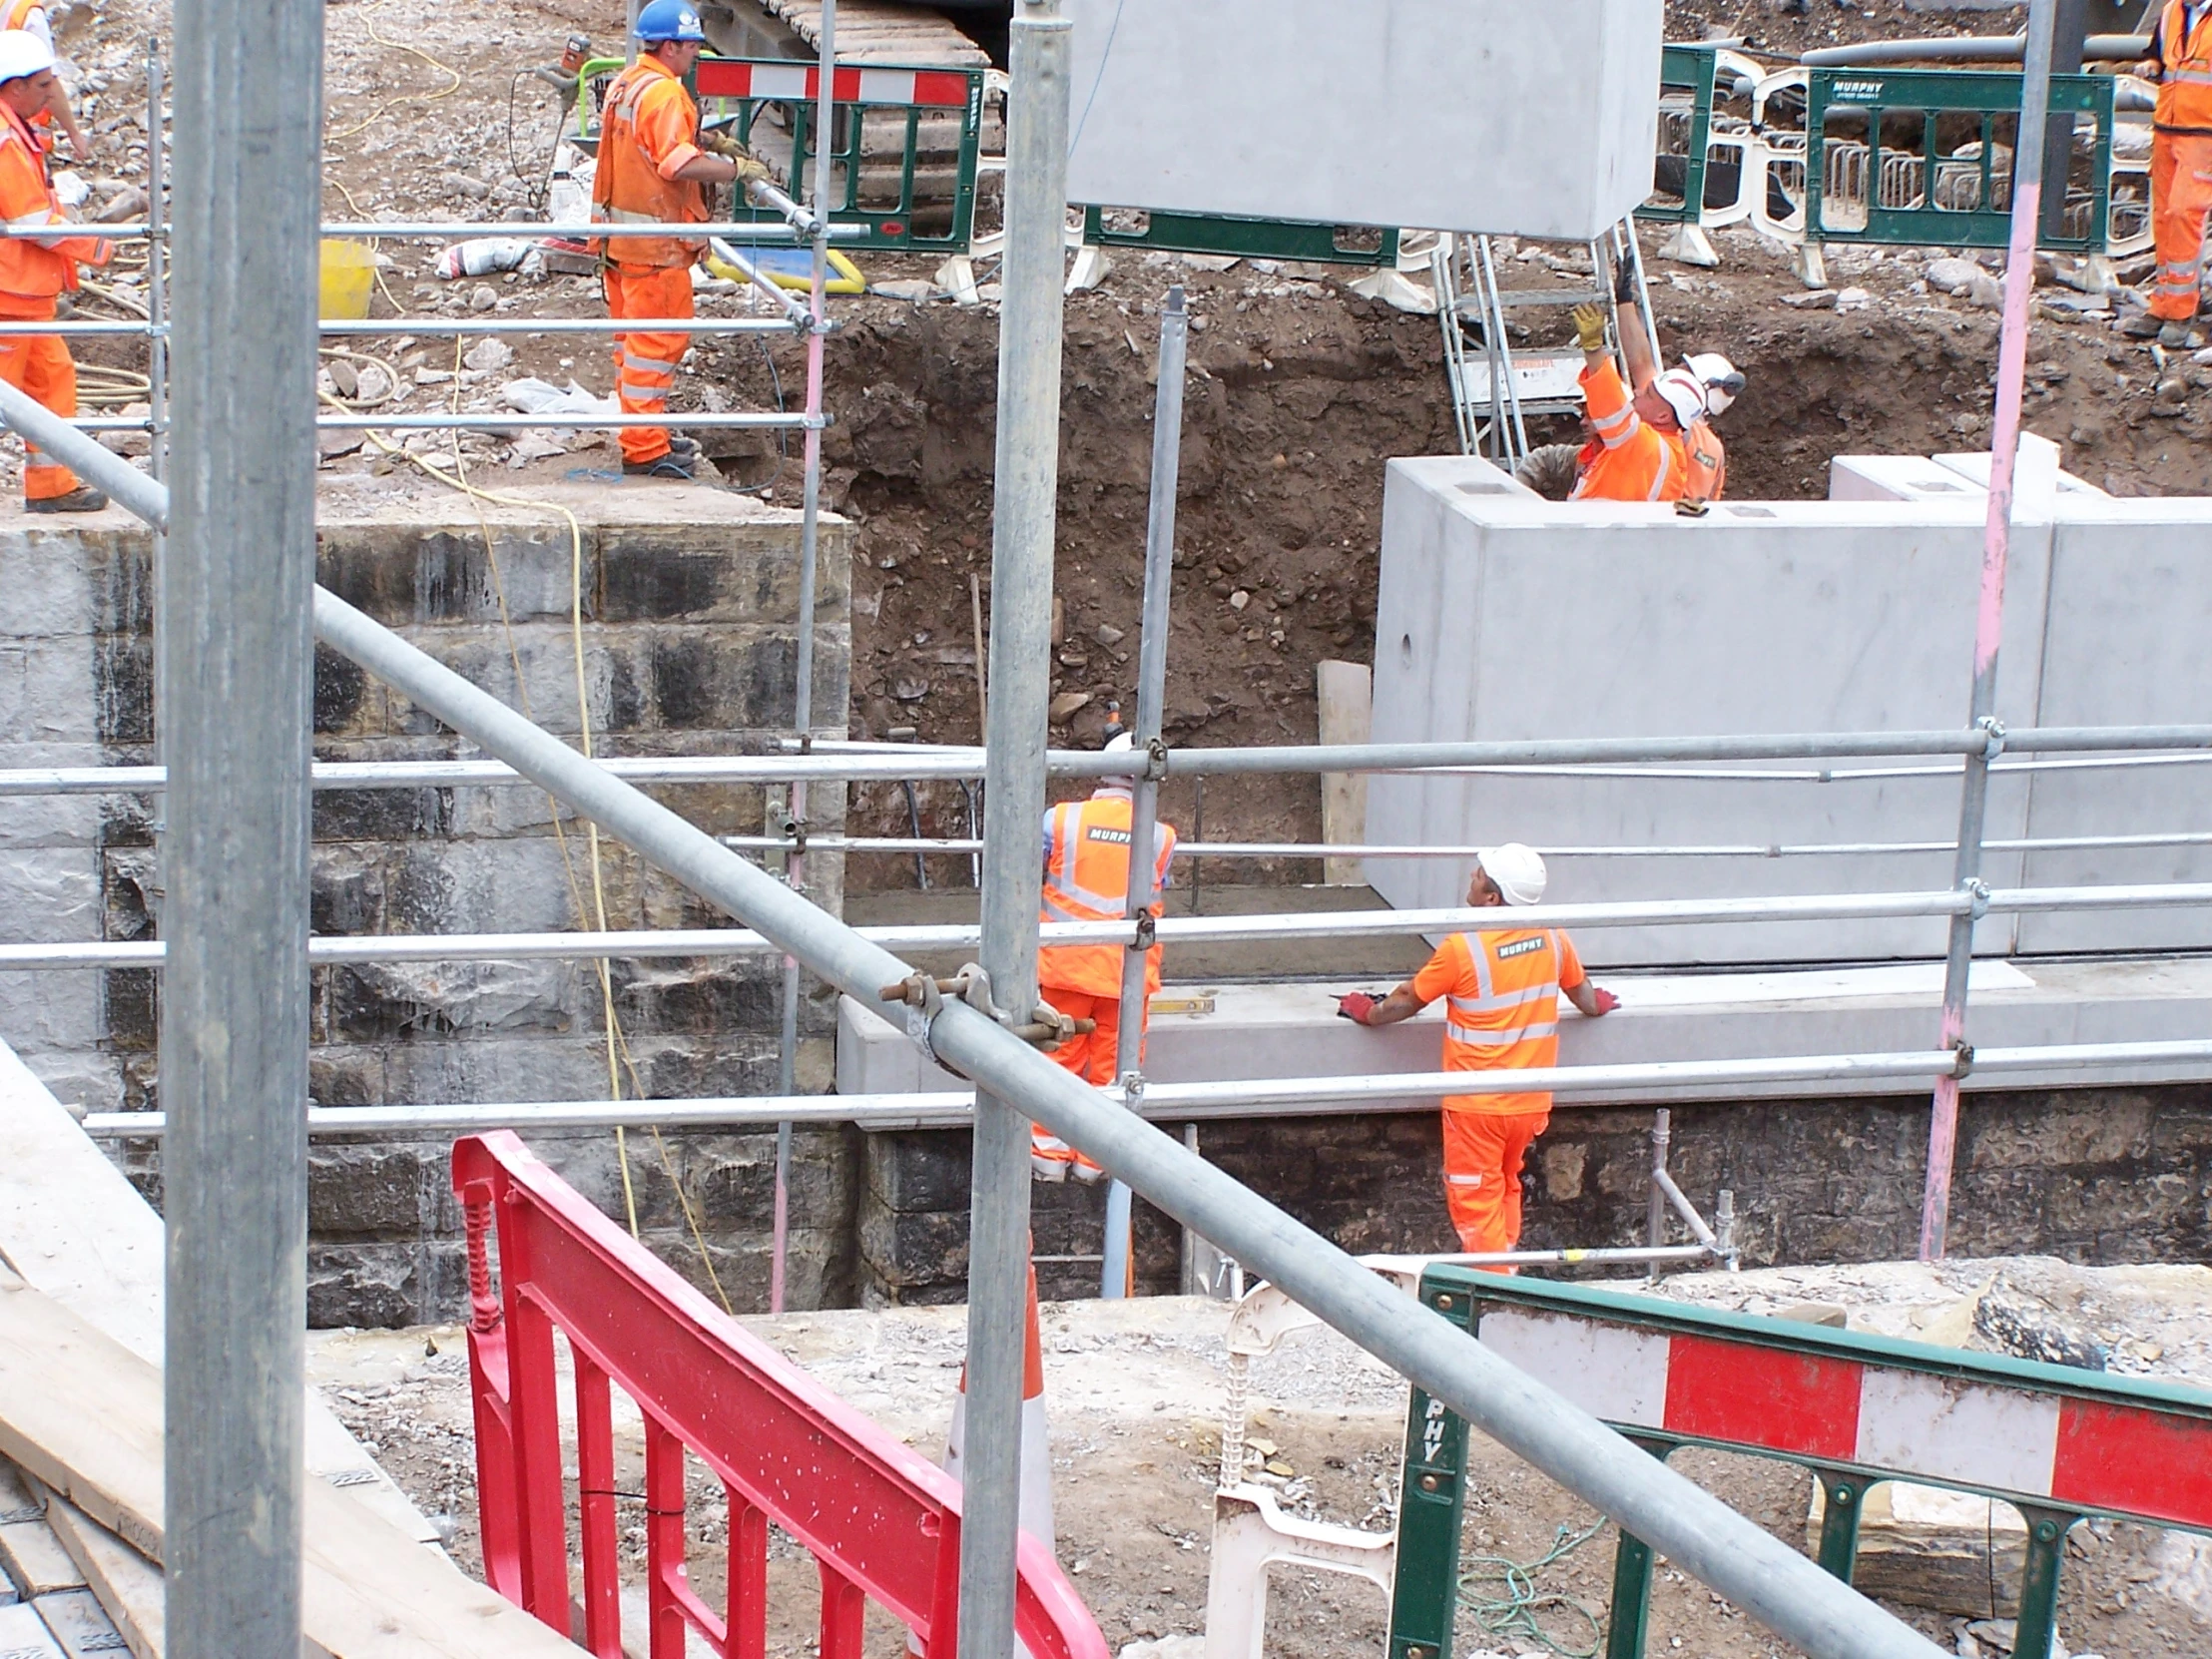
(2185, 72)
(1086, 878)
(1501, 1006)
(33, 270)
(1629, 459)
(649, 128)
(1707, 462)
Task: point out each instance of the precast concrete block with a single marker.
(407, 575)
(1898, 478)
(30, 822)
(724, 573)
(1536, 121)
(43, 573)
(49, 895)
(1500, 617)
(57, 704)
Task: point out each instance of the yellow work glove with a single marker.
(718, 142)
(1589, 327)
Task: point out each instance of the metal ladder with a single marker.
(1495, 389)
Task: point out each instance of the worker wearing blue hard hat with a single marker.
(655, 168)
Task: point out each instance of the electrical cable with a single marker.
(390, 104)
(1504, 1597)
(541, 190)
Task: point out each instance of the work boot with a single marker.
(2143, 326)
(680, 468)
(682, 447)
(82, 499)
(2176, 336)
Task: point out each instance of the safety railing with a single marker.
(883, 1524)
(904, 140)
(1235, 237)
(2059, 1444)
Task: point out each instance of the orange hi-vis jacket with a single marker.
(2185, 72)
(649, 130)
(1707, 462)
(33, 270)
(1086, 878)
(1628, 461)
(1501, 1009)
(18, 14)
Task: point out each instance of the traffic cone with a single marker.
(1036, 1442)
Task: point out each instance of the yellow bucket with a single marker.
(348, 274)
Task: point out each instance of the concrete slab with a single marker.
(73, 1228)
(1290, 1030)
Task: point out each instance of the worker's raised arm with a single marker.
(1628, 317)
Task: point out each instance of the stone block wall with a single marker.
(687, 606)
(2105, 1175)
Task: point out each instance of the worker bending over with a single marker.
(1086, 878)
(1708, 374)
(1502, 993)
(2180, 167)
(36, 269)
(1634, 452)
(654, 168)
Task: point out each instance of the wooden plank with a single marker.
(23, 1634)
(83, 1415)
(127, 1585)
(869, 32)
(33, 1560)
(81, 1625)
(1346, 695)
(76, 1229)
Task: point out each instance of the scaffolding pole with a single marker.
(233, 702)
(1152, 685)
(1026, 491)
(803, 692)
(1988, 631)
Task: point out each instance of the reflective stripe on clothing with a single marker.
(1502, 994)
(33, 270)
(2183, 48)
(2181, 199)
(1086, 878)
(647, 132)
(655, 294)
(1630, 459)
(39, 365)
(1484, 1157)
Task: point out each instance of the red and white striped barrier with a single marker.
(730, 78)
(2083, 1449)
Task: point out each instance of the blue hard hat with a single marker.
(669, 20)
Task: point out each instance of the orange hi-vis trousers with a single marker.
(1484, 1155)
(1090, 1056)
(645, 365)
(39, 366)
(2180, 197)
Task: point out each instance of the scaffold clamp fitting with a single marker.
(1962, 1065)
(1147, 931)
(1992, 737)
(1978, 891)
(1156, 759)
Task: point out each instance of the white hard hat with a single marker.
(1515, 871)
(22, 53)
(1684, 393)
(1722, 380)
(1118, 743)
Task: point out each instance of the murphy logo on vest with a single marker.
(1094, 833)
(1520, 948)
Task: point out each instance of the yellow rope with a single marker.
(376, 114)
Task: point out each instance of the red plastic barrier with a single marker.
(881, 1523)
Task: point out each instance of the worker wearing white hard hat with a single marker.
(37, 268)
(1501, 988)
(1704, 385)
(1086, 878)
(31, 17)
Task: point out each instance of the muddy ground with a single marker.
(1136, 1391)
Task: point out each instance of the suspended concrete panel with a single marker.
(1462, 114)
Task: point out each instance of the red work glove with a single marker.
(1606, 1001)
(1355, 1007)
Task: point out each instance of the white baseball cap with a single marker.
(22, 53)
(1516, 871)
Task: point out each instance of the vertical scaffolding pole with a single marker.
(234, 700)
(1026, 488)
(1989, 632)
(803, 696)
(1152, 681)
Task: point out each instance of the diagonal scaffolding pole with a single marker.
(1152, 683)
(235, 688)
(1988, 628)
(1025, 499)
(802, 694)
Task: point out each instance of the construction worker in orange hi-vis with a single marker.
(654, 168)
(31, 17)
(1086, 878)
(36, 269)
(1634, 452)
(2180, 167)
(1503, 991)
(1706, 374)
